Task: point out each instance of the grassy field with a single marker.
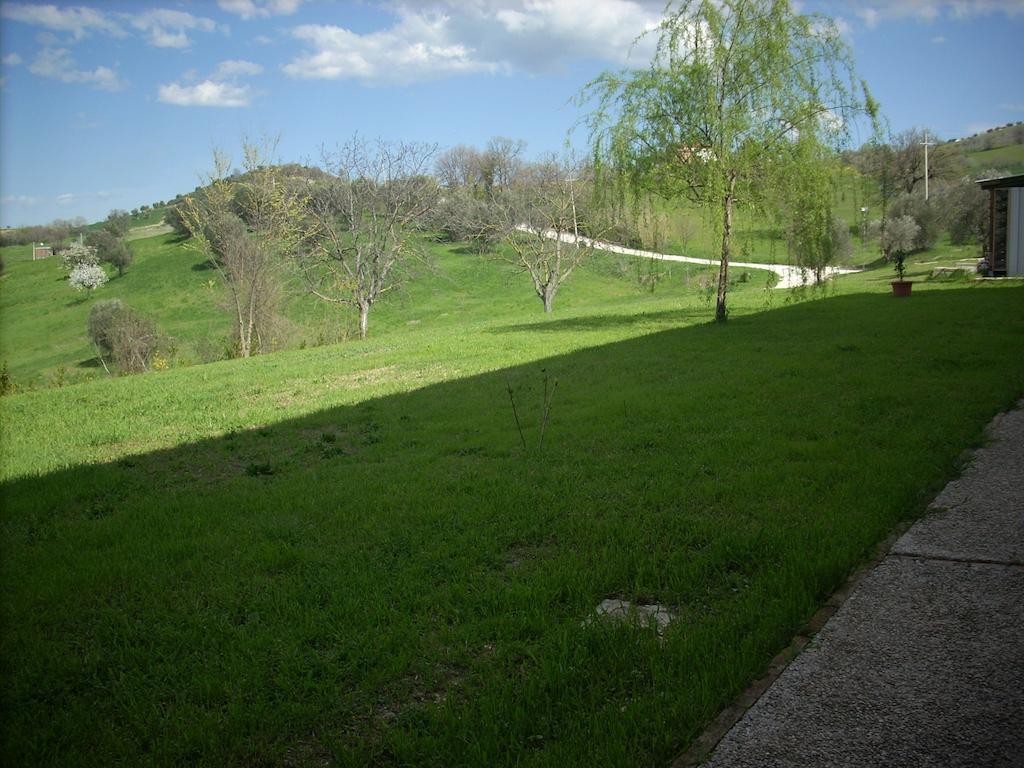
(42, 321)
(1009, 158)
(345, 555)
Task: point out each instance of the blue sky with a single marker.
(111, 105)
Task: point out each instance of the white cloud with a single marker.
(58, 64)
(932, 10)
(208, 93)
(939, 39)
(221, 89)
(78, 21)
(1011, 107)
(249, 9)
(168, 29)
(446, 37)
(18, 200)
(415, 49)
(843, 27)
(162, 27)
(236, 67)
(12, 60)
(67, 198)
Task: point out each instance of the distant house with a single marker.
(41, 251)
(1005, 241)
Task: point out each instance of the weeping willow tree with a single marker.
(804, 207)
(717, 117)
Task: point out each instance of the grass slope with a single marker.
(42, 321)
(344, 554)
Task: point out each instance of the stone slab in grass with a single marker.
(625, 611)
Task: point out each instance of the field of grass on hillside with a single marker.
(346, 554)
(1010, 159)
(43, 322)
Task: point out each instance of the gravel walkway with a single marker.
(789, 277)
(923, 665)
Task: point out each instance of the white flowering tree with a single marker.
(87, 277)
(77, 254)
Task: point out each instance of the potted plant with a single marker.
(897, 240)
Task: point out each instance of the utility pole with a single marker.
(926, 144)
(575, 225)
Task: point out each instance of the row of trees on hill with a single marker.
(350, 230)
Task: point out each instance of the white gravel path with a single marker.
(789, 277)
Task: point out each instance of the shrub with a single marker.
(123, 335)
(100, 324)
(173, 218)
(925, 213)
(965, 209)
(899, 237)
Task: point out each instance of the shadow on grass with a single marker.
(604, 322)
(398, 581)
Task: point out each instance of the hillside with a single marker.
(998, 148)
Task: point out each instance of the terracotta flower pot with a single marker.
(901, 288)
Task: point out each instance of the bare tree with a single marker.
(501, 162)
(907, 159)
(367, 216)
(541, 218)
(458, 167)
(246, 225)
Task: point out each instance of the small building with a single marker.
(41, 251)
(1004, 245)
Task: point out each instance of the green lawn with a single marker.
(1009, 158)
(344, 554)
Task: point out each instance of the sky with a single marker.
(109, 105)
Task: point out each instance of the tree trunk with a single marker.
(723, 266)
(548, 298)
(244, 344)
(364, 319)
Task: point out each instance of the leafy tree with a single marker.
(118, 222)
(365, 220)
(814, 239)
(247, 251)
(111, 249)
(714, 118)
